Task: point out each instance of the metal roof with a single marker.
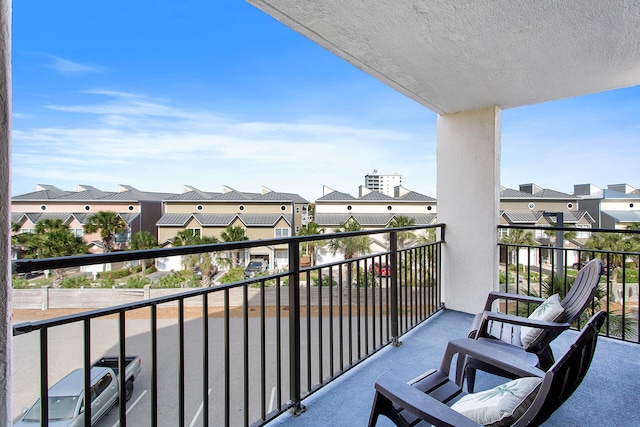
(623, 216)
(371, 219)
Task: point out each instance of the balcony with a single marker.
(304, 346)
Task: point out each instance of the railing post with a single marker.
(294, 329)
(395, 314)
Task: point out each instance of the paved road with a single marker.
(65, 350)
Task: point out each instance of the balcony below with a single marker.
(607, 396)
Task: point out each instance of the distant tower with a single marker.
(382, 183)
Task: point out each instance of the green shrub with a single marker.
(75, 282)
(114, 274)
(233, 275)
(19, 282)
(151, 269)
(325, 281)
(137, 282)
(107, 282)
(172, 280)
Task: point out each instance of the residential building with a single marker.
(536, 206)
(371, 210)
(140, 210)
(384, 184)
(265, 215)
(616, 206)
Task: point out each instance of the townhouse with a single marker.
(264, 215)
(140, 210)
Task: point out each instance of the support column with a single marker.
(5, 213)
(468, 192)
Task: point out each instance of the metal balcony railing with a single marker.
(257, 346)
(545, 269)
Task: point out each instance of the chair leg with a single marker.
(546, 359)
(383, 406)
(471, 378)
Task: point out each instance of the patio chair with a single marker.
(532, 334)
(527, 401)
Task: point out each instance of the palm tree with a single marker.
(52, 239)
(202, 260)
(353, 246)
(233, 234)
(143, 240)
(109, 223)
(516, 237)
(614, 242)
(403, 236)
(311, 229)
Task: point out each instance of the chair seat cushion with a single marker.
(502, 405)
(549, 311)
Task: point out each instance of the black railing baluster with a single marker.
(320, 336)
(181, 373)
(154, 365)
(294, 329)
(393, 240)
(87, 370)
(263, 352)
(245, 334)
(121, 367)
(227, 361)
(205, 359)
(331, 332)
(44, 377)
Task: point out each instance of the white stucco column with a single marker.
(468, 188)
(5, 213)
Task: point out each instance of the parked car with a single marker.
(255, 266)
(579, 265)
(66, 397)
(381, 270)
(197, 271)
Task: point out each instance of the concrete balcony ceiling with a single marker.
(453, 56)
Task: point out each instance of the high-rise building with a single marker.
(384, 184)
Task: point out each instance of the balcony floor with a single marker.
(607, 396)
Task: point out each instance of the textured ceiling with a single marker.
(453, 56)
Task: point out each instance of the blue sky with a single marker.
(210, 93)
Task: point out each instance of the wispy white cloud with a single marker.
(68, 68)
(148, 143)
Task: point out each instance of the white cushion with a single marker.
(549, 310)
(502, 405)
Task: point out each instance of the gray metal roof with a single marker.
(519, 217)
(193, 195)
(376, 195)
(623, 216)
(371, 219)
(336, 195)
(284, 197)
(220, 220)
(416, 197)
(92, 194)
(40, 195)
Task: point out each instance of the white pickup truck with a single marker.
(66, 397)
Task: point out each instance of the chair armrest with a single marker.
(511, 297)
(521, 321)
(419, 404)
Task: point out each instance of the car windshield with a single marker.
(254, 265)
(60, 408)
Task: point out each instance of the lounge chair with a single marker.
(532, 334)
(527, 401)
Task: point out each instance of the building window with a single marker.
(583, 234)
(43, 207)
(502, 233)
(199, 207)
(348, 207)
(77, 232)
(29, 230)
(87, 207)
(297, 209)
(389, 208)
(532, 205)
(281, 233)
(121, 237)
(630, 205)
(195, 231)
(241, 208)
(130, 207)
(429, 208)
(570, 205)
(283, 208)
(297, 229)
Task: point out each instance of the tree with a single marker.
(52, 239)
(233, 234)
(403, 236)
(202, 260)
(517, 236)
(613, 242)
(109, 223)
(311, 229)
(143, 240)
(352, 246)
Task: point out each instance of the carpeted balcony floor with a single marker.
(607, 396)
